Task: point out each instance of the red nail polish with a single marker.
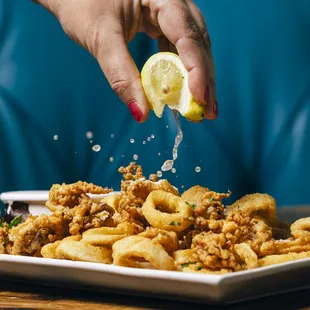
(206, 97)
(215, 109)
(135, 110)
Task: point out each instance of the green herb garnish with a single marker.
(199, 268)
(193, 206)
(4, 240)
(172, 224)
(187, 264)
(16, 220)
(211, 199)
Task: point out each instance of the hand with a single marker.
(105, 27)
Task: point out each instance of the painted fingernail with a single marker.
(206, 97)
(215, 108)
(135, 110)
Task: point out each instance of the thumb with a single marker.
(110, 49)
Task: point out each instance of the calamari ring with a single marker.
(168, 239)
(130, 251)
(180, 212)
(287, 246)
(83, 251)
(49, 250)
(247, 255)
(263, 205)
(106, 236)
(301, 229)
(277, 259)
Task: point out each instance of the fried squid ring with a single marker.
(175, 215)
(247, 255)
(49, 250)
(106, 236)
(131, 251)
(256, 204)
(301, 229)
(277, 259)
(83, 251)
(291, 245)
(168, 239)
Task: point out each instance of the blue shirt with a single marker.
(50, 87)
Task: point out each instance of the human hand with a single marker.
(105, 27)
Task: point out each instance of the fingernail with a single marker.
(135, 110)
(215, 108)
(206, 97)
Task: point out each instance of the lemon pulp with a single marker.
(165, 82)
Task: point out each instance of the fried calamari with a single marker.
(150, 225)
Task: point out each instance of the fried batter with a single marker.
(29, 237)
(135, 189)
(216, 239)
(68, 195)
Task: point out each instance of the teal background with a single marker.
(260, 142)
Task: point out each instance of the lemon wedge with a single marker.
(165, 82)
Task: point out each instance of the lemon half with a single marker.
(165, 82)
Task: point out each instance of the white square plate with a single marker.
(220, 289)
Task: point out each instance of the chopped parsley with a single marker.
(187, 264)
(172, 224)
(193, 206)
(199, 268)
(211, 199)
(4, 241)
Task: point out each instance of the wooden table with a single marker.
(28, 296)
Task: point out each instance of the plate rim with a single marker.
(200, 278)
(36, 196)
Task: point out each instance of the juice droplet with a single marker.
(173, 170)
(123, 155)
(182, 186)
(197, 169)
(159, 174)
(168, 164)
(152, 136)
(132, 141)
(148, 139)
(159, 154)
(55, 137)
(167, 126)
(143, 142)
(89, 135)
(111, 159)
(135, 157)
(96, 148)
(90, 141)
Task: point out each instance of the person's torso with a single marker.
(51, 88)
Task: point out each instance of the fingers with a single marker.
(108, 45)
(180, 27)
(211, 110)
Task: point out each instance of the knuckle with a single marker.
(159, 5)
(94, 38)
(118, 84)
